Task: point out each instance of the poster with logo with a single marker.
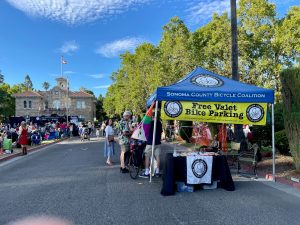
(199, 169)
(215, 112)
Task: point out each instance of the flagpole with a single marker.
(67, 105)
(61, 66)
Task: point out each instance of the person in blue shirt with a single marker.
(157, 149)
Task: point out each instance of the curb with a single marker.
(30, 150)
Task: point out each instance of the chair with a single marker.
(233, 152)
(250, 156)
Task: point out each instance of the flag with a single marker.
(63, 61)
(147, 120)
(143, 129)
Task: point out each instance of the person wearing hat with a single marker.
(23, 140)
(125, 131)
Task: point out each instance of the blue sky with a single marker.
(90, 34)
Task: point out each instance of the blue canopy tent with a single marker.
(209, 88)
(202, 85)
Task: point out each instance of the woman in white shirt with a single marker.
(109, 149)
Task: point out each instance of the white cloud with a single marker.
(102, 86)
(199, 12)
(69, 72)
(69, 47)
(115, 48)
(74, 12)
(97, 76)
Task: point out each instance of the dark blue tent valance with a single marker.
(205, 86)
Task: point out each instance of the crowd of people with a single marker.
(125, 127)
(28, 133)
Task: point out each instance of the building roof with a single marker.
(80, 94)
(27, 94)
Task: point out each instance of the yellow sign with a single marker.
(215, 112)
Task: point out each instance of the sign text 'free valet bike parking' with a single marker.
(215, 112)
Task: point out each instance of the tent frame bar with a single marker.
(273, 144)
(153, 140)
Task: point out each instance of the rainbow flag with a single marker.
(143, 129)
(147, 120)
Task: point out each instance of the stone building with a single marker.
(55, 102)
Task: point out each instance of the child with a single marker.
(98, 133)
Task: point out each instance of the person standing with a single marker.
(23, 140)
(90, 127)
(157, 149)
(124, 136)
(109, 149)
(71, 129)
(103, 128)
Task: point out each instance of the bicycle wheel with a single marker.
(133, 169)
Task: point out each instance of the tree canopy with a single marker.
(267, 44)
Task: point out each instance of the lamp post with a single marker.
(234, 41)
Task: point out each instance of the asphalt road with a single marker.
(71, 180)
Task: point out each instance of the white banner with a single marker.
(199, 169)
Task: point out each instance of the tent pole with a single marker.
(153, 139)
(273, 143)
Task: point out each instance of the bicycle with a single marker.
(136, 158)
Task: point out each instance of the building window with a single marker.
(56, 104)
(80, 105)
(25, 104)
(29, 104)
(46, 105)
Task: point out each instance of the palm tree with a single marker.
(46, 86)
(1, 77)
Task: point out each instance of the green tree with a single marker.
(100, 114)
(256, 31)
(212, 43)
(175, 48)
(28, 83)
(290, 79)
(7, 104)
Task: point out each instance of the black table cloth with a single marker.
(175, 170)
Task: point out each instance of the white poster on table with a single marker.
(199, 169)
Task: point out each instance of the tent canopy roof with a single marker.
(205, 86)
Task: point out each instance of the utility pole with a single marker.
(234, 42)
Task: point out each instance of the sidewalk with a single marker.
(18, 151)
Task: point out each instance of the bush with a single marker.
(290, 80)
(186, 130)
(278, 116)
(262, 134)
(281, 142)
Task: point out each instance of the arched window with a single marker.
(56, 104)
(29, 104)
(25, 104)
